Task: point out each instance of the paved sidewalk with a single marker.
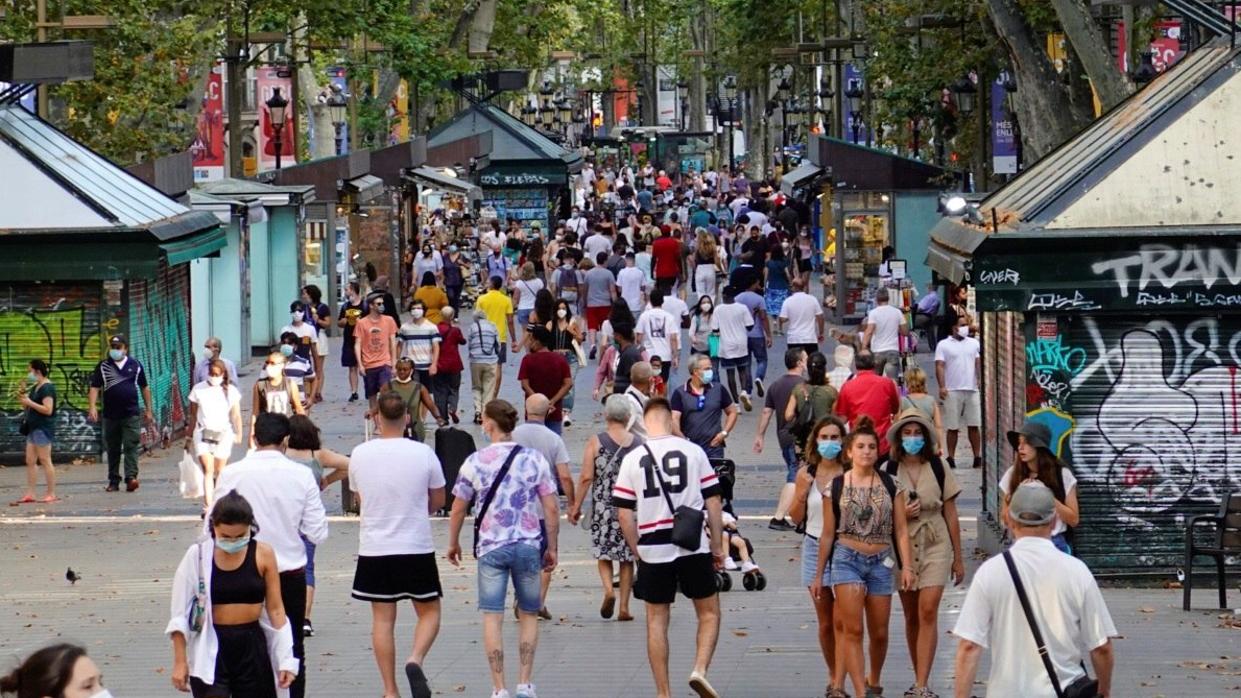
(126, 547)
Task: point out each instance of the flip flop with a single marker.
(609, 604)
(28, 499)
(417, 681)
(624, 617)
(49, 499)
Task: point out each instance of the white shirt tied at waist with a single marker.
(286, 503)
(201, 647)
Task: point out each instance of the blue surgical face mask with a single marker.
(912, 444)
(232, 545)
(32, 377)
(829, 449)
(116, 354)
(286, 349)
(452, 248)
(708, 376)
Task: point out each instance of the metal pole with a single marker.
(279, 145)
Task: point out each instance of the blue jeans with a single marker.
(1062, 543)
(520, 561)
(758, 350)
(851, 567)
(555, 425)
(571, 357)
(714, 451)
(790, 463)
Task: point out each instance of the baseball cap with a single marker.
(1032, 504)
(117, 339)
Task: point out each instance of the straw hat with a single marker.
(911, 416)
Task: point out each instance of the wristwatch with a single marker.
(724, 432)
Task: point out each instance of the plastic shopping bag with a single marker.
(191, 477)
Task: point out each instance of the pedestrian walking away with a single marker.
(498, 308)
(801, 319)
(433, 298)
(512, 484)
(484, 346)
(121, 378)
(870, 395)
(446, 385)
(934, 537)
(958, 370)
(733, 321)
(778, 397)
(287, 509)
(1034, 601)
(1034, 460)
(545, 372)
(38, 401)
(237, 639)
(759, 337)
(885, 325)
(659, 333)
(658, 485)
(864, 532)
(399, 483)
(823, 463)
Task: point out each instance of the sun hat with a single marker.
(1037, 435)
(911, 416)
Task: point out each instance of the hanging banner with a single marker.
(207, 149)
(270, 78)
(1003, 135)
(1165, 48)
(398, 107)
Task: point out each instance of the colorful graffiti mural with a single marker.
(159, 335)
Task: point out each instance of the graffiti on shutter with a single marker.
(1147, 413)
(61, 324)
(159, 326)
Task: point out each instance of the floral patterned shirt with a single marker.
(515, 512)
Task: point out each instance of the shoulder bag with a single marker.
(687, 522)
(1084, 687)
(198, 607)
(491, 494)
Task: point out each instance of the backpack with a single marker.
(805, 419)
(566, 283)
(889, 484)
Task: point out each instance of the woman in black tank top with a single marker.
(242, 582)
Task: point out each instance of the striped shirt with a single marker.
(690, 480)
(418, 342)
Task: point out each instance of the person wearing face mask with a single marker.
(307, 338)
(934, 536)
(213, 350)
(958, 365)
(703, 411)
(287, 509)
(245, 643)
(56, 671)
(429, 261)
(353, 309)
(319, 315)
(274, 393)
(121, 378)
(416, 396)
(433, 298)
(420, 341)
(297, 369)
(567, 338)
(38, 422)
(700, 342)
(215, 412)
(600, 464)
(822, 465)
(454, 272)
(375, 347)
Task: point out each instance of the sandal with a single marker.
(49, 499)
(28, 499)
(623, 617)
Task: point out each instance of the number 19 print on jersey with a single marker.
(690, 480)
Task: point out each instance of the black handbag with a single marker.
(23, 426)
(1083, 687)
(687, 522)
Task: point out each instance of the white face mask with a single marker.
(416, 313)
(275, 371)
(215, 380)
(963, 331)
(209, 353)
(561, 313)
(295, 317)
(105, 693)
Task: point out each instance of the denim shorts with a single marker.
(374, 379)
(39, 438)
(523, 317)
(810, 558)
(310, 561)
(851, 567)
(520, 561)
(790, 463)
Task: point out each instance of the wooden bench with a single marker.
(1225, 541)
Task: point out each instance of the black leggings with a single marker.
(242, 665)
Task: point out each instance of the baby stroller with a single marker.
(752, 578)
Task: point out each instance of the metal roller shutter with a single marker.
(1154, 408)
(990, 405)
(1004, 369)
(159, 337)
(61, 324)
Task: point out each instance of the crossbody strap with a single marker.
(491, 494)
(659, 476)
(1033, 623)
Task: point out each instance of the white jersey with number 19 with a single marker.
(690, 480)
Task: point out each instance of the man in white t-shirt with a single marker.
(885, 325)
(1065, 601)
(631, 283)
(733, 322)
(659, 333)
(398, 482)
(683, 477)
(678, 309)
(801, 317)
(958, 365)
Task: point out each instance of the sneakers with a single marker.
(699, 683)
(924, 692)
(568, 421)
(131, 484)
(500, 694)
(593, 352)
(780, 525)
(745, 402)
(748, 566)
(525, 690)
(730, 564)
(353, 397)
(873, 691)
(308, 630)
(758, 386)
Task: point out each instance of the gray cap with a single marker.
(1032, 504)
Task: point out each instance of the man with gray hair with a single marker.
(1034, 591)
(534, 434)
(885, 325)
(483, 345)
(638, 393)
(212, 350)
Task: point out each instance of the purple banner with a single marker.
(1003, 135)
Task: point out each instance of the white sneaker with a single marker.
(748, 566)
(525, 690)
(730, 564)
(745, 402)
(567, 420)
(502, 693)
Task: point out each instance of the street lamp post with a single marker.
(338, 109)
(854, 92)
(826, 93)
(730, 95)
(683, 100)
(275, 112)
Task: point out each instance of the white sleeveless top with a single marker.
(814, 509)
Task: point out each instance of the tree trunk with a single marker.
(1041, 97)
(1092, 49)
(754, 127)
(483, 26)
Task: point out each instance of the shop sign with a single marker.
(523, 179)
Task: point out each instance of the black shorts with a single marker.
(241, 665)
(693, 574)
(390, 578)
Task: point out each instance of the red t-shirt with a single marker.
(870, 394)
(666, 255)
(450, 355)
(546, 371)
(663, 183)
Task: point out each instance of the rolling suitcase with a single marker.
(452, 447)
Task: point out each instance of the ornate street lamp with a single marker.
(338, 111)
(855, 92)
(276, 105)
(1145, 71)
(965, 91)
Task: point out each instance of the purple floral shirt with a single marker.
(515, 515)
